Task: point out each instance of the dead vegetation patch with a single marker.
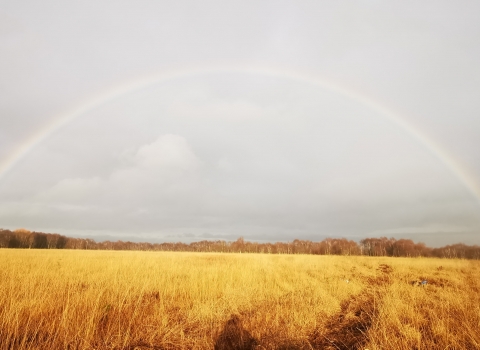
(176, 301)
(385, 268)
(348, 328)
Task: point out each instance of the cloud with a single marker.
(164, 168)
(165, 171)
(167, 153)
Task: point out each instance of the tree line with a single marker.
(22, 238)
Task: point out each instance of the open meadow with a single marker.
(61, 299)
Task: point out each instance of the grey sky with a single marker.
(222, 154)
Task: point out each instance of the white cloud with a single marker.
(162, 169)
(168, 152)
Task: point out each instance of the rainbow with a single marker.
(137, 84)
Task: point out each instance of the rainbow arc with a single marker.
(140, 83)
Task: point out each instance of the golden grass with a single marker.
(60, 299)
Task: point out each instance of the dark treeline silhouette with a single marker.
(383, 246)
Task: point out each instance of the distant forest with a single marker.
(383, 246)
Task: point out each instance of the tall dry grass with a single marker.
(159, 300)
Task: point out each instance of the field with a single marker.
(59, 299)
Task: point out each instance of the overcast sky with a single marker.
(253, 122)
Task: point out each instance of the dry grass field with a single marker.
(59, 299)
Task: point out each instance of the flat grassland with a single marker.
(57, 299)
